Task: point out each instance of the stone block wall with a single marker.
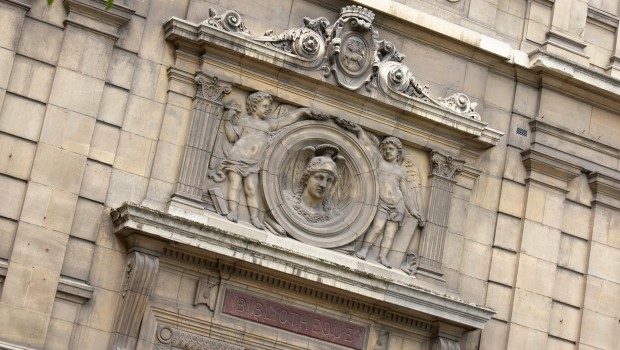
(95, 110)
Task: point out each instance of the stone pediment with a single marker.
(348, 53)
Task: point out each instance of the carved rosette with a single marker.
(395, 77)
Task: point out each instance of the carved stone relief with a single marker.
(248, 138)
(397, 194)
(350, 50)
(305, 159)
(352, 47)
(316, 177)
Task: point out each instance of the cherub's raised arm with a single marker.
(290, 118)
(365, 140)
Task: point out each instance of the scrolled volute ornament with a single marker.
(444, 344)
(350, 51)
(394, 76)
(460, 103)
(307, 42)
(229, 21)
(398, 77)
(445, 165)
(211, 89)
(388, 52)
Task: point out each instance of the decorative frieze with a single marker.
(169, 338)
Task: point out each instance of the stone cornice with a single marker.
(68, 289)
(580, 151)
(232, 242)
(247, 275)
(606, 190)
(92, 15)
(576, 75)
(602, 16)
(17, 4)
(547, 170)
(78, 292)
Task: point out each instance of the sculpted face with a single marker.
(389, 152)
(263, 108)
(319, 184)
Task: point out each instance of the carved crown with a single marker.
(358, 12)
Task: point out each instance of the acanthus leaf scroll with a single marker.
(349, 49)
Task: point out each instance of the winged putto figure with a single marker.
(397, 193)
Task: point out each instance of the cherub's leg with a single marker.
(386, 243)
(372, 233)
(234, 185)
(250, 185)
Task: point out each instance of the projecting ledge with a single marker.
(229, 241)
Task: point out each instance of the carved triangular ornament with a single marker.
(351, 51)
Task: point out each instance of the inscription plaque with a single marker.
(308, 323)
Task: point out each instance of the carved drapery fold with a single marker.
(443, 170)
(203, 128)
(140, 278)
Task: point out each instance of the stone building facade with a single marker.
(310, 174)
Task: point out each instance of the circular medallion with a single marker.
(319, 184)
